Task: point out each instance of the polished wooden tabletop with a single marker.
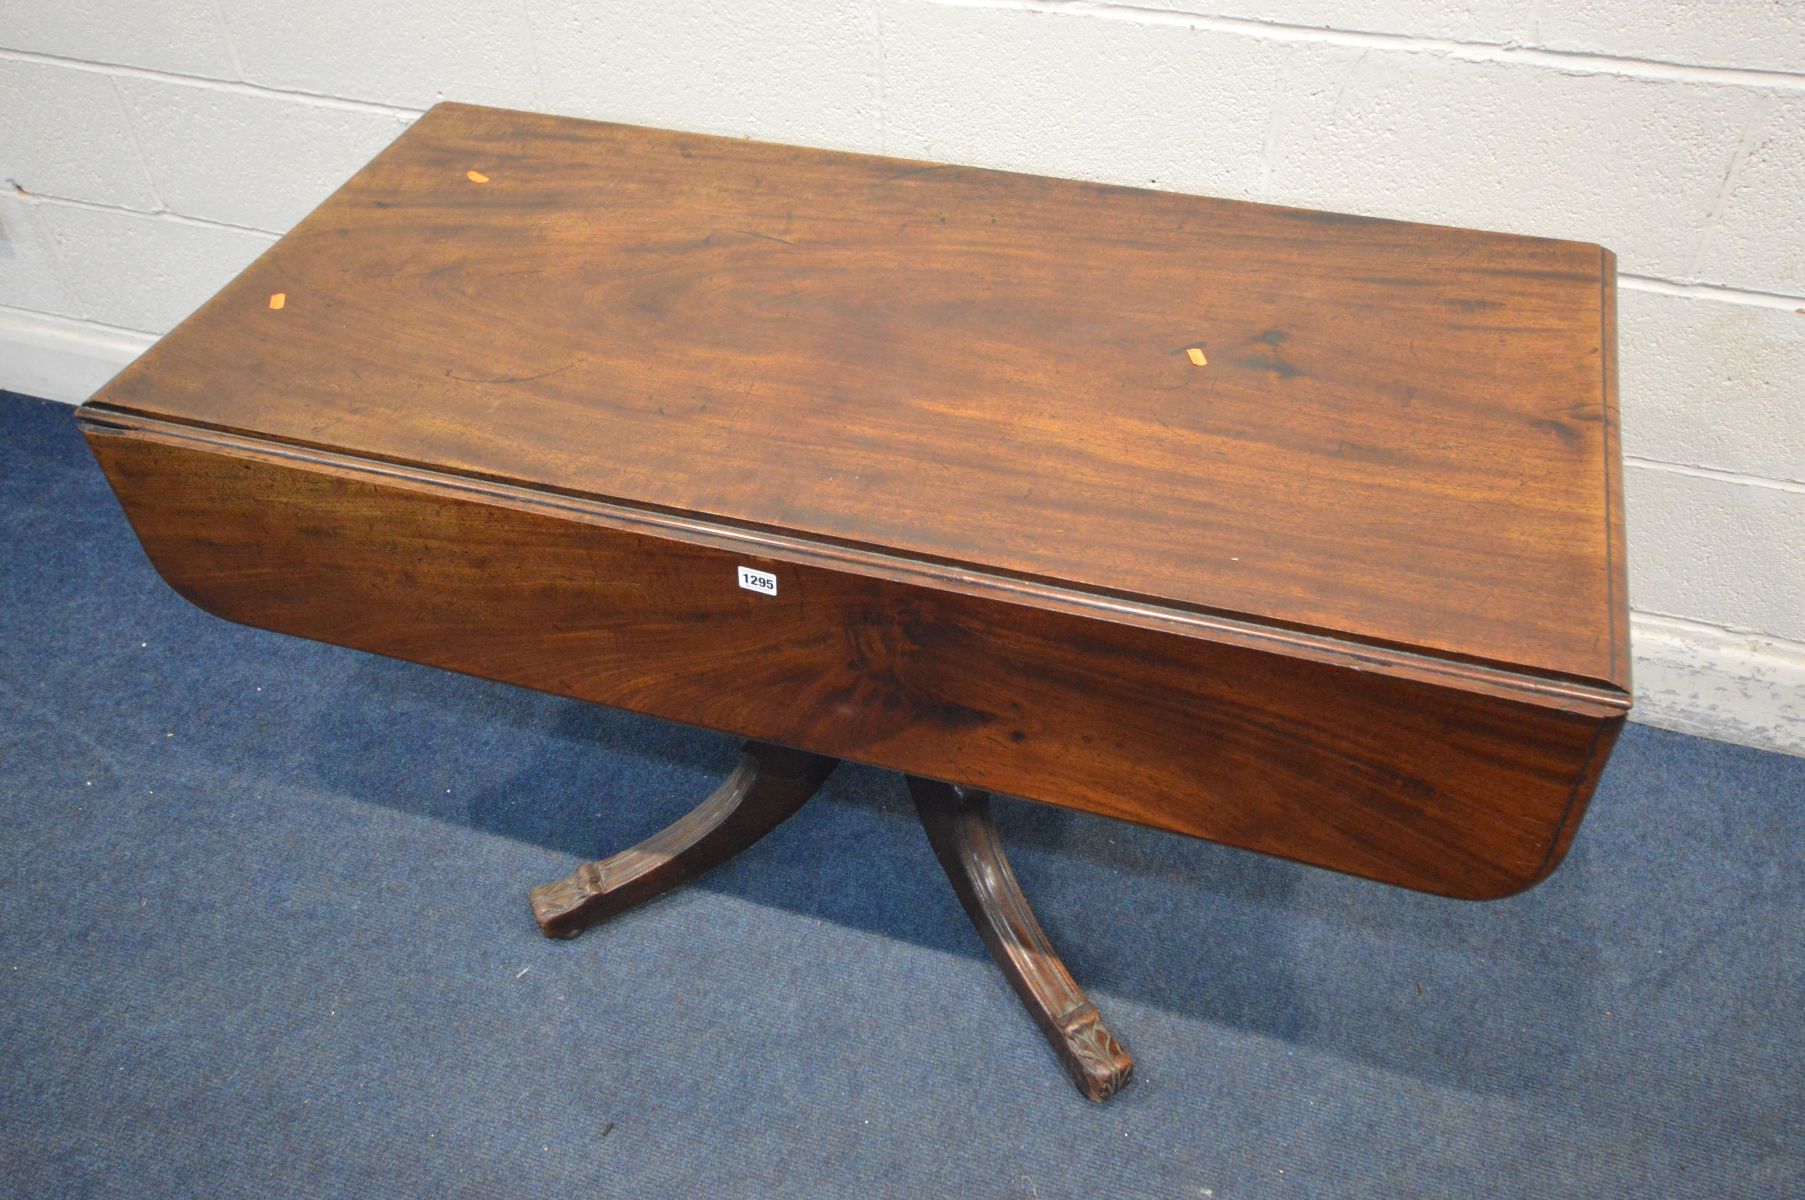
(1394, 434)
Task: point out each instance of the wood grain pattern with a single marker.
(1452, 780)
(1403, 435)
(1295, 531)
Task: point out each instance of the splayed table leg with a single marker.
(766, 788)
(964, 838)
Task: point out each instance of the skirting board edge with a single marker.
(60, 358)
(1735, 687)
(1689, 677)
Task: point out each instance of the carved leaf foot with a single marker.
(964, 837)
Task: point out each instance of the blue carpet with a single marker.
(263, 932)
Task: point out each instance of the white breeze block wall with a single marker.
(149, 151)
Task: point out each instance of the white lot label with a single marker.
(758, 581)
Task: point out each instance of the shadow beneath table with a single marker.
(1677, 912)
(1485, 997)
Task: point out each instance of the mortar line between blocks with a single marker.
(160, 215)
(80, 324)
(1577, 61)
(237, 87)
(1723, 293)
(131, 132)
(532, 49)
(47, 240)
(878, 52)
(1715, 474)
(225, 27)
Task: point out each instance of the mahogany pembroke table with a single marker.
(1294, 531)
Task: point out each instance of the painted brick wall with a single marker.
(148, 151)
